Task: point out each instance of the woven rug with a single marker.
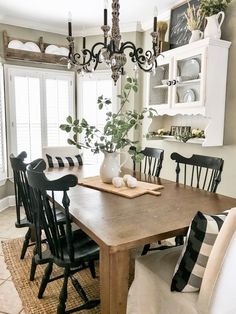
(28, 290)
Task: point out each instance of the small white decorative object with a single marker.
(117, 182)
(55, 50)
(213, 27)
(196, 35)
(132, 182)
(15, 44)
(110, 166)
(126, 177)
(30, 46)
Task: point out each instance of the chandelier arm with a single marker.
(145, 61)
(97, 54)
(145, 68)
(87, 56)
(94, 57)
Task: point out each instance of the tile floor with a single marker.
(10, 302)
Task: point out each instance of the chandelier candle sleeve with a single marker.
(155, 20)
(105, 12)
(84, 47)
(69, 24)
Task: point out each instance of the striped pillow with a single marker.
(60, 162)
(192, 262)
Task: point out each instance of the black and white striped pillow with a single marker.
(60, 162)
(192, 262)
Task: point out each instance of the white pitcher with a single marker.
(110, 166)
(213, 27)
(196, 35)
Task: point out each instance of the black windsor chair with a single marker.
(70, 251)
(204, 173)
(22, 197)
(152, 162)
(150, 165)
(199, 171)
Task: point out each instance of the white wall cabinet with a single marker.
(188, 89)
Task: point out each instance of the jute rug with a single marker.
(28, 290)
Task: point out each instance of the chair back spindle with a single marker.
(205, 171)
(152, 162)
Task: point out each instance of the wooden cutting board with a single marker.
(142, 188)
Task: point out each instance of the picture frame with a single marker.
(179, 35)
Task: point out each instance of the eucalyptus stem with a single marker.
(116, 128)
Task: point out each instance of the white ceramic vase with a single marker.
(196, 35)
(110, 166)
(213, 27)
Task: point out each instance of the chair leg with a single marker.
(63, 294)
(92, 269)
(79, 289)
(45, 279)
(33, 269)
(62, 230)
(145, 249)
(179, 240)
(88, 304)
(26, 243)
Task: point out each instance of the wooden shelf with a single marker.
(160, 86)
(171, 138)
(42, 57)
(188, 82)
(196, 81)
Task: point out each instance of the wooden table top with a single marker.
(122, 223)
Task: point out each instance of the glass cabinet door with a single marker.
(187, 82)
(160, 83)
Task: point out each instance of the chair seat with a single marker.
(150, 290)
(84, 249)
(60, 216)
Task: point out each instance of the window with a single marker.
(40, 100)
(3, 168)
(90, 88)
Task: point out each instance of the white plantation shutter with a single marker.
(90, 88)
(27, 115)
(58, 93)
(40, 100)
(3, 170)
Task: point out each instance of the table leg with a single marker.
(114, 275)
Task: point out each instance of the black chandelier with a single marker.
(112, 50)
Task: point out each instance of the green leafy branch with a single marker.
(115, 134)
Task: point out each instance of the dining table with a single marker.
(119, 224)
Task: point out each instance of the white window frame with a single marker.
(3, 175)
(96, 76)
(42, 74)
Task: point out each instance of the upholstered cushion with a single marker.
(150, 291)
(200, 239)
(55, 162)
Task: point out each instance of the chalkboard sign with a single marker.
(179, 35)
